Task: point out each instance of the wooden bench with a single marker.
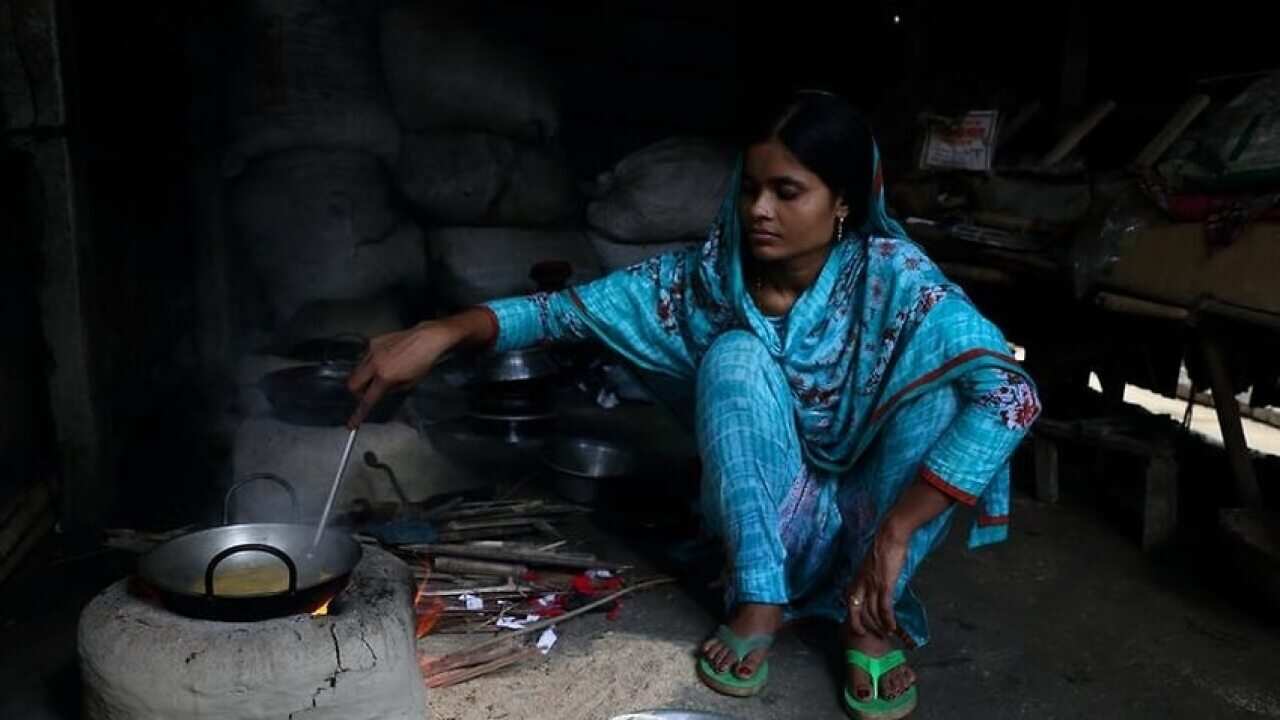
(1107, 435)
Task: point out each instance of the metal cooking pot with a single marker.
(517, 366)
(582, 467)
(317, 394)
(185, 572)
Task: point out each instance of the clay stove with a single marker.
(358, 662)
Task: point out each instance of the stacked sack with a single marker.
(661, 198)
(480, 160)
(312, 135)
(313, 209)
(319, 225)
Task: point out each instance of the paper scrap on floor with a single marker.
(513, 624)
(547, 640)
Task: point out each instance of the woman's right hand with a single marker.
(397, 360)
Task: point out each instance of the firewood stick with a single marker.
(454, 677)
(455, 536)
(533, 510)
(509, 587)
(486, 524)
(507, 555)
(532, 547)
(464, 566)
(547, 528)
(468, 657)
(551, 622)
(439, 510)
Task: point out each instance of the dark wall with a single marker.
(26, 435)
(147, 118)
(135, 132)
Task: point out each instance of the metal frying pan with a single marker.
(250, 571)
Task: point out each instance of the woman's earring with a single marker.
(839, 228)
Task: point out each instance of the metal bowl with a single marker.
(580, 465)
(672, 715)
(518, 365)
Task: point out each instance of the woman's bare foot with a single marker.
(892, 684)
(750, 619)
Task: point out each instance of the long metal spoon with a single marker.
(333, 491)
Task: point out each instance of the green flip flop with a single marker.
(727, 682)
(878, 708)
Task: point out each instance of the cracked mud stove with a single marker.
(354, 659)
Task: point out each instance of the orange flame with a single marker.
(428, 609)
(323, 609)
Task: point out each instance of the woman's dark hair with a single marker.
(830, 138)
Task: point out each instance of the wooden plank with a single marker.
(1267, 320)
(1144, 308)
(977, 274)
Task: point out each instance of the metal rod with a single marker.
(333, 491)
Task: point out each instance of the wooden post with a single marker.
(1046, 450)
(1077, 134)
(1160, 502)
(65, 297)
(1224, 401)
(1075, 56)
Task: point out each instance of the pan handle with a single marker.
(371, 459)
(293, 495)
(269, 549)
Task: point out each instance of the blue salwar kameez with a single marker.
(810, 425)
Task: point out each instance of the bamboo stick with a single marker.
(508, 555)
(1077, 133)
(1171, 131)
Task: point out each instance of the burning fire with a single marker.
(323, 609)
(427, 608)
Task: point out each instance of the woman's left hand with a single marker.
(870, 595)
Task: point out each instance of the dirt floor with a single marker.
(1068, 619)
